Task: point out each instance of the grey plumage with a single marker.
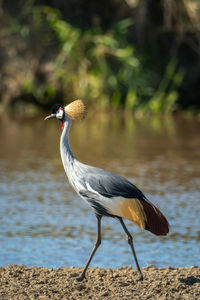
(90, 182)
(110, 185)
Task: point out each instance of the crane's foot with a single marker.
(80, 278)
(141, 277)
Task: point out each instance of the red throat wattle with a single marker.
(63, 124)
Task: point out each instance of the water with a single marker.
(44, 223)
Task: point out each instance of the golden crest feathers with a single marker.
(75, 110)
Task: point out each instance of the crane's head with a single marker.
(74, 111)
(57, 111)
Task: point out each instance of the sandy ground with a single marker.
(20, 282)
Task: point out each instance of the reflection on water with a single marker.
(44, 223)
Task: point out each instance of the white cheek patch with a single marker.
(59, 114)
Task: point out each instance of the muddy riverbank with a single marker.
(21, 282)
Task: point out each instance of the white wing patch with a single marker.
(131, 209)
(110, 204)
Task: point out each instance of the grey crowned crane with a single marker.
(107, 193)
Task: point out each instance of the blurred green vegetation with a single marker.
(103, 66)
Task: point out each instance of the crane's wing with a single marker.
(111, 185)
(112, 194)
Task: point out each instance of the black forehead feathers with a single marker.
(55, 108)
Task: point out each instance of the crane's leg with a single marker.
(130, 242)
(96, 246)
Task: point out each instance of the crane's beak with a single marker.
(50, 117)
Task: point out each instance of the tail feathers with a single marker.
(155, 220)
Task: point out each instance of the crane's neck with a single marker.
(65, 150)
(70, 163)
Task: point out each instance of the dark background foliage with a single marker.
(136, 54)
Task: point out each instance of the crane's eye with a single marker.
(60, 113)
